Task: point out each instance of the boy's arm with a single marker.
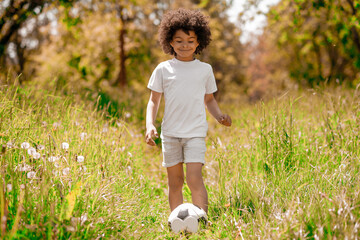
(151, 112)
(213, 108)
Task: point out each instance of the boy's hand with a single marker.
(150, 133)
(225, 120)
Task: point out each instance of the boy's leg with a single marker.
(175, 182)
(195, 182)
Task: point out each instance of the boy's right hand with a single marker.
(150, 133)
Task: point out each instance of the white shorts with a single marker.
(183, 150)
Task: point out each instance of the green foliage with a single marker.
(290, 164)
(319, 39)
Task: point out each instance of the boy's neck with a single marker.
(185, 60)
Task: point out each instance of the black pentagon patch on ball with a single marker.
(183, 214)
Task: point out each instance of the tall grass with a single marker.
(287, 168)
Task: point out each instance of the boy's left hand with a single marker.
(225, 120)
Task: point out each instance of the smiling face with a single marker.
(184, 45)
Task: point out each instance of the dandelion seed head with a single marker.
(83, 135)
(36, 155)
(80, 159)
(127, 115)
(31, 151)
(65, 145)
(40, 147)
(31, 175)
(9, 145)
(83, 218)
(25, 145)
(52, 159)
(24, 168)
(340, 211)
(66, 171)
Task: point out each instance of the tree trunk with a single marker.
(121, 79)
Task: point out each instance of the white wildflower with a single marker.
(52, 159)
(129, 154)
(40, 147)
(22, 186)
(31, 151)
(56, 124)
(127, 115)
(9, 145)
(80, 159)
(43, 124)
(56, 165)
(340, 211)
(83, 135)
(31, 175)
(105, 129)
(36, 155)
(83, 218)
(66, 171)
(25, 145)
(9, 187)
(24, 168)
(65, 145)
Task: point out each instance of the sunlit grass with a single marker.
(287, 168)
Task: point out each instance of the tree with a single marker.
(319, 39)
(14, 16)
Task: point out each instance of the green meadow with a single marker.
(288, 168)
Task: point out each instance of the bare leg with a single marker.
(175, 182)
(196, 184)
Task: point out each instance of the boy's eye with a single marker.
(178, 41)
(191, 41)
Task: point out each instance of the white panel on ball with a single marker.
(186, 217)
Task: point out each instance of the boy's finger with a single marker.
(151, 142)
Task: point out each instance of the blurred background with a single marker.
(260, 48)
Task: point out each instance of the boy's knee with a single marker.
(176, 182)
(194, 182)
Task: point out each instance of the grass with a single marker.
(286, 169)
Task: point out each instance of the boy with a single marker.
(188, 86)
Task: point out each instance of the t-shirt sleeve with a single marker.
(210, 86)
(156, 80)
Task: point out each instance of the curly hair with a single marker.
(186, 20)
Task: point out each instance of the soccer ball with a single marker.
(187, 217)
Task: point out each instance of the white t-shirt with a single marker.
(184, 85)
